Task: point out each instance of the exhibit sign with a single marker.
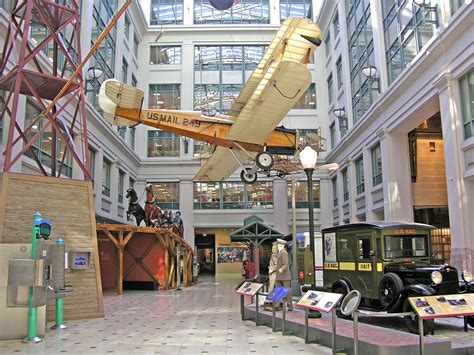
(443, 305)
(232, 254)
(249, 288)
(320, 301)
(278, 294)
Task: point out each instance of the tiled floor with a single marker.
(202, 319)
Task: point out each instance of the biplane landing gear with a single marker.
(264, 160)
(248, 176)
(281, 174)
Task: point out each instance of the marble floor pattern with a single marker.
(201, 319)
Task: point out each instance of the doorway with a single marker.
(205, 250)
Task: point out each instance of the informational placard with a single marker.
(321, 301)
(443, 305)
(249, 288)
(278, 294)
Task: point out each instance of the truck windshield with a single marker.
(399, 246)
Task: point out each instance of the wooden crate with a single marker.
(69, 204)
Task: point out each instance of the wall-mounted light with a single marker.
(340, 113)
(432, 146)
(369, 71)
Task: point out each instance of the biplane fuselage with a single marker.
(212, 130)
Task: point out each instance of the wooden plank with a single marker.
(112, 238)
(21, 195)
(120, 268)
(127, 238)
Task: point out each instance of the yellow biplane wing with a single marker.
(250, 130)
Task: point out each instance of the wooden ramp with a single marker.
(69, 204)
(142, 254)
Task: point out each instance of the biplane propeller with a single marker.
(249, 132)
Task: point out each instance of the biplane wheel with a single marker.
(264, 160)
(248, 177)
(281, 174)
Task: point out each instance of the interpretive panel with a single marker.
(278, 294)
(249, 288)
(443, 305)
(321, 301)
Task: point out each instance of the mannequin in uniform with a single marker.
(283, 277)
(272, 268)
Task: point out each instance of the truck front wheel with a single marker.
(412, 321)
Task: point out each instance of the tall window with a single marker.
(43, 146)
(339, 72)
(134, 81)
(359, 167)
(104, 56)
(376, 165)
(345, 185)
(207, 195)
(167, 195)
(165, 55)
(407, 28)
(165, 96)
(332, 134)
(122, 130)
(308, 100)
(162, 144)
(295, 8)
(3, 97)
(334, 192)
(467, 102)
(233, 195)
(456, 4)
(166, 12)
(126, 28)
(124, 70)
(106, 167)
(92, 153)
(327, 45)
(120, 186)
(335, 25)
(301, 194)
(244, 11)
(361, 54)
(132, 137)
(135, 45)
(228, 58)
(330, 94)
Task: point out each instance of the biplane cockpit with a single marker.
(249, 132)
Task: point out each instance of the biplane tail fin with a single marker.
(113, 94)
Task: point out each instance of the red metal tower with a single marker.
(52, 27)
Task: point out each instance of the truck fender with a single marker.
(407, 291)
(342, 283)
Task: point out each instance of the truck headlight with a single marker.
(436, 277)
(466, 276)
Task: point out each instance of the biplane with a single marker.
(249, 132)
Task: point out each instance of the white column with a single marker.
(325, 202)
(274, 12)
(114, 173)
(186, 207)
(376, 15)
(396, 175)
(188, 12)
(280, 205)
(99, 159)
(460, 191)
(352, 187)
(367, 157)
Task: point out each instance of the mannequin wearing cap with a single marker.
(345, 254)
(272, 268)
(283, 277)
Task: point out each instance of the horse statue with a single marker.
(152, 211)
(134, 207)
